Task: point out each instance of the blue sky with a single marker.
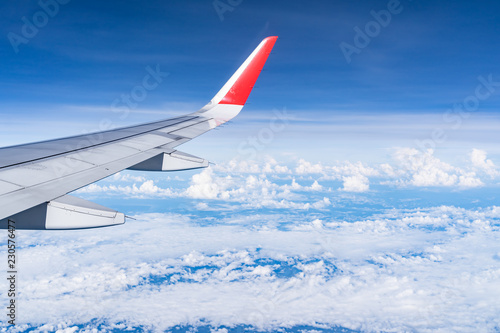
(373, 206)
(426, 60)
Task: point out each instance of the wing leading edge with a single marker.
(35, 178)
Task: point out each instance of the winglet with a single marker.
(239, 86)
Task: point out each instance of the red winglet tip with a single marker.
(239, 92)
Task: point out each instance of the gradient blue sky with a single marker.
(428, 58)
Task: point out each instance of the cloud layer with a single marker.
(269, 183)
(268, 245)
(426, 270)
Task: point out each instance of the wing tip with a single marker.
(240, 89)
(237, 89)
(271, 37)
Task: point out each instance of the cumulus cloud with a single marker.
(469, 180)
(305, 167)
(203, 186)
(145, 190)
(357, 183)
(300, 183)
(269, 165)
(272, 166)
(252, 191)
(347, 169)
(127, 177)
(480, 162)
(247, 189)
(423, 169)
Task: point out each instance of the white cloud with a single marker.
(357, 183)
(240, 166)
(252, 190)
(352, 169)
(423, 169)
(127, 177)
(68, 330)
(145, 190)
(272, 166)
(203, 186)
(316, 186)
(421, 270)
(469, 180)
(305, 167)
(322, 203)
(268, 183)
(268, 165)
(480, 162)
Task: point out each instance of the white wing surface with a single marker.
(35, 178)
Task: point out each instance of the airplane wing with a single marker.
(35, 178)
